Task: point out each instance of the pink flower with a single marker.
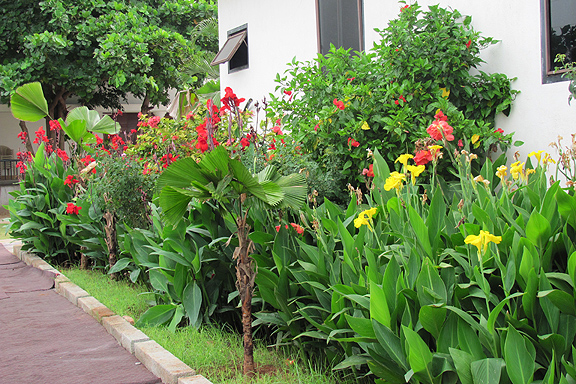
(276, 129)
(298, 228)
(438, 127)
(369, 172)
(339, 104)
(441, 116)
(423, 157)
(316, 127)
(153, 121)
(460, 143)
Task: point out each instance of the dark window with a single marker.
(235, 50)
(340, 23)
(559, 34)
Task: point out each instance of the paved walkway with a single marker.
(44, 338)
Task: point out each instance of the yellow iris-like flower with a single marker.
(394, 181)
(364, 218)
(482, 240)
(415, 171)
(516, 170)
(537, 154)
(403, 159)
(501, 172)
(475, 138)
(365, 126)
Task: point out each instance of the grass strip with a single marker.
(215, 353)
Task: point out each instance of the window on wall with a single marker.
(560, 32)
(340, 22)
(235, 50)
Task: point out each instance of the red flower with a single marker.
(396, 102)
(423, 157)
(70, 180)
(55, 125)
(62, 154)
(499, 130)
(40, 136)
(298, 228)
(22, 167)
(289, 93)
(438, 127)
(72, 209)
(369, 172)
(244, 142)
(339, 104)
(402, 98)
(351, 78)
(153, 121)
(441, 116)
(276, 129)
(353, 143)
(272, 146)
(22, 136)
(119, 112)
(316, 127)
(460, 143)
(230, 100)
(469, 43)
(404, 7)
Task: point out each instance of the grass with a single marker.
(3, 226)
(215, 353)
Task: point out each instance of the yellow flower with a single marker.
(394, 181)
(516, 170)
(403, 159)
(547, 159)
(474, 138)
(365, 217)
(481, 241)
(365, 126)
(501, 173)
(480, 179)
(536, 154)
(434, 148)
(415, 171)
(445, 93)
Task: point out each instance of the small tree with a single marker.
(236, 190)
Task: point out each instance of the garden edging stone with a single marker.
(155, 358)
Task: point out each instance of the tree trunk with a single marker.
(24, 129)
(83, 261)
(245, 276)
(111, 240)
(145, 107)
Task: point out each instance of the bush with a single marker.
(340, 105)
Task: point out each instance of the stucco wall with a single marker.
(279, 30)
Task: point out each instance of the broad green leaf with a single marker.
(157, 315)
(566, 207)
(419, 354)
(496, 311)
(391, 344)
(76, 130)
(158, 280)
(28, 103)
(174, 203)
(420, 230)
(572, 268)
(176, 319)
(430, 279)
(462, 361)
(519, 361)
(378, 306)
(361, 326)
(192, 301)
(351, 361)
(120, 265)
(432, 319)
(486, 371)
(538, 229)
(562, 300)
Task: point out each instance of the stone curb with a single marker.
(154, 357)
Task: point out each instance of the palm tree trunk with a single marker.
(111, 240)
(245, 276)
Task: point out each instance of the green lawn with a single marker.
(213, 352)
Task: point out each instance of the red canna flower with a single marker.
(55, 125)
(72, 209)
(469, 43)
(70, 180)
(353, 143)
(22, 136)
(396, 102)
(244, 142)
(298, 228)
(499, 130)
(62, 154)
(369, 172)
(438, 127)
(423, 157)
(339, 104)
(460, 143)
(440, 116)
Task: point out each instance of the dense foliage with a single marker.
(340, 105)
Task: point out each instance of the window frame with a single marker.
(360, 5)
(549, 75)
(243, 29)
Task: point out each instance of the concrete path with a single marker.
(44, 338)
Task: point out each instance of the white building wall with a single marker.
(280, 30)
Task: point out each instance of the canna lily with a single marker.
(481, 241)
(537, 154)
(480, 179)
(394, 181)
(547, 159)
(440, 129)
(403, 159)
(501, 172)
(423, 157)
(339, 104)
(72, 209)
(516, 169)
(435, 151)
(415, 171)
(364, 218)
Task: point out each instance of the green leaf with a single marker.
(120, 265)
(378, 306)
(486, 371)
(562, 300)
(176, 319)
(419, 354)
(538, 229)
(496, 311)
(432, 319)
(420, 230)
(351, 361)
(428, 282)
(192, 300)
(519, 361)
(28, 103)
(462, 361)
(157, 315)
(361, 326)
(391, 344)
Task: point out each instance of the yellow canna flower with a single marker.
(365, 126)
(394, 181)
(445, 92)
(365, 217)
(415, 171)
(501, 172)
(474, 138)
(482, 240)
(403, 159)
(480, 179)
(516, 169)
(547, 159)
(537, 155)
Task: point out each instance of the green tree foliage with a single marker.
(98, 50)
